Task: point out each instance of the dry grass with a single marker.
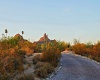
(36, 58)
(26, 77)
(42, 70)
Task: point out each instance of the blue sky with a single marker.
(60, 19)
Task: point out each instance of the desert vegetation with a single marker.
(26, 77)
(12, 54)
(87, 49)
(43, 69)
(49, 59)
(14, 49)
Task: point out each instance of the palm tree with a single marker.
(6, 31)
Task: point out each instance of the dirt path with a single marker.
(77, 68)
(29, 67)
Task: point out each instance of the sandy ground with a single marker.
(28, 66)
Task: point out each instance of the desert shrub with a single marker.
(79, 49)
(96, 52)
(21, 52)
(28, 50)
(39, 65)
(37, 47)
(51, 54)
(13, 64)
(62, 45)
(9, 64)
(12, 56)
(4, 77)
(16, 63)
(36, 58)
(48, 67)
(12, 41)
(21, 77)
(89, 50)
(97, 58)
(26, 77)
(43, 69)
(41, 72)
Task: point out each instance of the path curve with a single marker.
(77, 68)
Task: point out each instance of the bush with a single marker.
(62, 45)
(43, 69)
(2, 77)
(21, 52)
(39, 65)
(48, 67)
(41, 72)
(28, 50)
(89, 50)
(36, 58)
(97, 58)
(9, 65)
(12, 56)
(79, 49)
(26, 77)
(51, 54)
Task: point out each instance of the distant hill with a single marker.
(44, 39)
(18, 36)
